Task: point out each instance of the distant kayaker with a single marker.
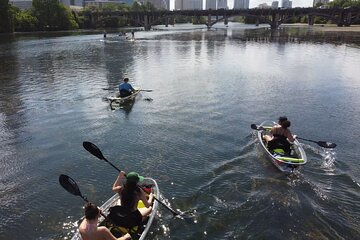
(132, 35)
(130, 193)
(89, 229)
(125, 88)
(280, 136)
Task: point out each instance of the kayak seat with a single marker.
(279, 144)
(279, 151)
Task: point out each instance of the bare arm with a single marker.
(290, 136)
(116, 186)
(146, 201)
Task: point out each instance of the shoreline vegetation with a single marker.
(50, 15)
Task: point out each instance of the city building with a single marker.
(315, 2)
(286, 4)
(101, 3)
(159, 4)
(264, 6)
(188, 4)
(222, 4)
(241, 4)
(72, 2)
(210, 4)
(275, 4)
(22, 4)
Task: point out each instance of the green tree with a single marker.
(24, 20)
(53, 16)
(5, 17)
(344, 3)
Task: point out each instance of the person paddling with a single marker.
(89, 229)
(130, 193)
(125, 88)
(280, 135)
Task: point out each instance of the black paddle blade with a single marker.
(70, 185)
(253, 126)
(326, 144)
(94, 150)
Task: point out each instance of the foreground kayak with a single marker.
(284, 162)
(138, 232)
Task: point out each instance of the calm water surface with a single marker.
(194, 138)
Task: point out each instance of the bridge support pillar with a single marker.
(208, 22)
(348, 19)
(311, 20)
(147, 26)
(274, 21)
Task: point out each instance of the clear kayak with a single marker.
(285, 162)
(137, 232)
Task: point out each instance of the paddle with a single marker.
(141, 90)
(94, 150)
(70, 185)
(323, 144)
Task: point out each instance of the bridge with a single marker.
(274, 17)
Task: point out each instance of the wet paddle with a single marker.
(323, 144)
(94, 150)
(70, 185)
(141, 90)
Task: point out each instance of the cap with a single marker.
(134, 177)
(282, 118)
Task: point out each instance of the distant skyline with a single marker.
(255, 3)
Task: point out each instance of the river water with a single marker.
(194, 137)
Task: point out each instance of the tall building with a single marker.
(264, 6)
(222, 4)
(159, 4)
(315, 2)
(241, 4)
(190, 4)
(275, 4)
(286, 4)
(210, 4)
(22, 4)
(179, 5)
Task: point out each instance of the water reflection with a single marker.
(296, 35)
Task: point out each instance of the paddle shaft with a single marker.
(307, 140)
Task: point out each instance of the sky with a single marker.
(255, 3)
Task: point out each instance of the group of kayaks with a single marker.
(286, 162)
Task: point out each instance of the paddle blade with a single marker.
(94, 150)
(255, 127)
(69, 185)
(326, 144)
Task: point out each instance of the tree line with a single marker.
(50, 15)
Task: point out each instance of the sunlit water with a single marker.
(194, 138)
